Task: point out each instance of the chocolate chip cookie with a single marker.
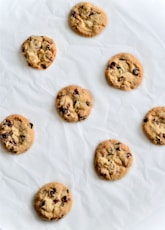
(87, 19)
(53, 201)
(16, 133)
(74, 103)
(154, 125)
(39, 51)
(124, 72)
(113, 159)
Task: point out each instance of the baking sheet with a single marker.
(64, 152)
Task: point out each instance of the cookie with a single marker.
(113, 159)
(87, 19)
(74, 103)
(16, 133)
(154, 125)
(39, 51)
(53, 201)
(124, 72)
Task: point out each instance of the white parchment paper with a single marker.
(64, 152)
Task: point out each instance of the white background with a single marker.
(64, 152)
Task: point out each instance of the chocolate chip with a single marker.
(128, 155)
(56, 201)
(110, 152)
(81, 117)
(63, 110)
(158, 140)
(52, 192)
(135, 71)
(42, 203)
(73, 13)
(43, 66)
(30, 38)
(64, 199)
(118, 67)
(76, 91)
(112, 65)
(8, 123)
(14, 142)
(12, 150)
(88, 103)
(92, 13)
(23, 137)
(121, 78)
(74, 102)
(118, 143)
(67, 190)
(23, 49)
(118, 149)
(31, 125)
(48, 47)
(103, 175)
(59, 96)
(122, 59)
(5, 135)
(145, 119)
(163, 135)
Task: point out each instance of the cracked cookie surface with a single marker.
(39, 51)
(87, 19)
(124, 72)
(154, 125)
(53, 201)
(113, 159)
(16, 133)
(74, 103)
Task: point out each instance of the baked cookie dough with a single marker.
(39, 51)
(154, 125)
(87, 19)
(124, 72)
(113, 159)
(53, 201)
(74, 103)
(16, 133)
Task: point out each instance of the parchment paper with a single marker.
(64, 152)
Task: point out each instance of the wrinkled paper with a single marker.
(64, 152)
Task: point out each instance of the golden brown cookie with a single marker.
(113, 159)
(154, 125)
(87, 19)
(16, 133)
(74, 103)
(39, 51)
(53, 201)
(124, 72)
